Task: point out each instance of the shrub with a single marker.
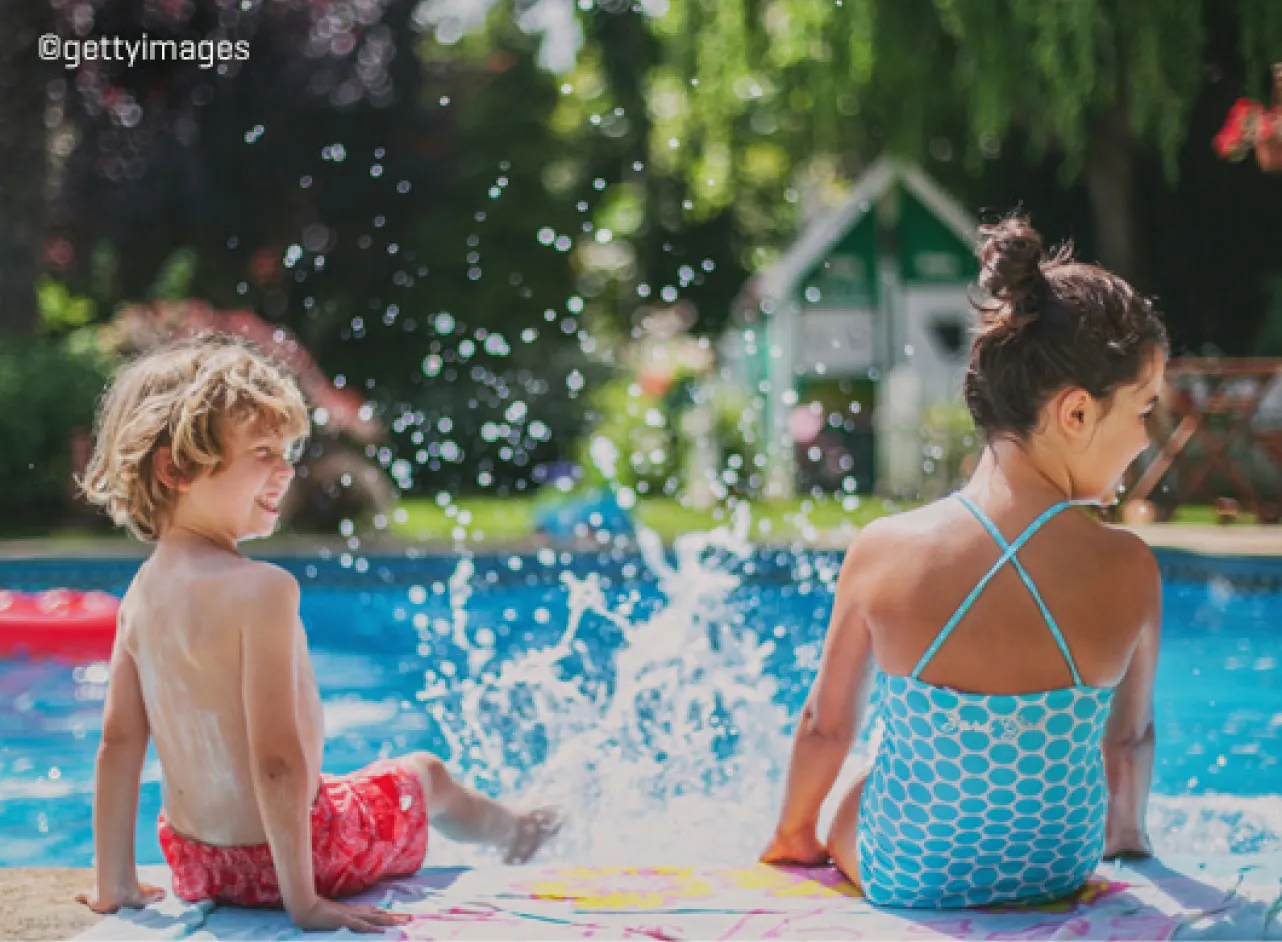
(48, 390)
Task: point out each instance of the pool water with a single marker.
(652, 694)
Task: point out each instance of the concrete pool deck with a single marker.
(1168, 897)
(38, 903)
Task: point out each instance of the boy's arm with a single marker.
(271, 651)
(1130, 738)
(117, 777)
(829, 720)
(269, 662)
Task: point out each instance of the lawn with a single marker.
(512, 519)
(507, 520)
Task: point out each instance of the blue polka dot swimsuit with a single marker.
(975, 798)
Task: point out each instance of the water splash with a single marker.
(678, 723)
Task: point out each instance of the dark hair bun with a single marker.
(1010, 265)
(1049, 323)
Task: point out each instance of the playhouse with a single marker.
(858, 329)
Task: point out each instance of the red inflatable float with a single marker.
(58, 623)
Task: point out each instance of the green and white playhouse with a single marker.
(856, 333)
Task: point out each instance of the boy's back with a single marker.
(181, 622)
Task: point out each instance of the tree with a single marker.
(23, 168)
(714, 128)
(380, 201)
(1090, 80)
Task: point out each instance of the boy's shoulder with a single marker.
(238, 580)
(253, 593)
(260, 579)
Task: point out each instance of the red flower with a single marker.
(1240, 129)
(1242, 108)
(1226, 141)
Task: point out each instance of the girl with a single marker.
(1015, 636)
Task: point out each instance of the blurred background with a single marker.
(656, 257)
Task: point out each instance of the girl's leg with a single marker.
(843, 845)
(464, 814)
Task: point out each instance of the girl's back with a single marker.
(1094, 579)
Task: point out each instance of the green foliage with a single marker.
(637, 425)
(47, 392)
(60, 310)
(822, 78)
(174, 280)
(646, 430)
(948, 439)
(1261, 41)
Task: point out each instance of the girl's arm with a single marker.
(829, 720)
(1129, 739)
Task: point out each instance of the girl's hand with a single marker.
(132, 897)
(803, 849)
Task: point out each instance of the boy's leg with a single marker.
(464, 814)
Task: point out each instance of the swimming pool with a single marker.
(652, 694)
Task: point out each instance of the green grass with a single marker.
(495, 519)
(1205, 514)
(512, 519)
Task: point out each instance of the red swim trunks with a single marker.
(366, 826)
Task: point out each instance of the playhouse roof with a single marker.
(823, 233)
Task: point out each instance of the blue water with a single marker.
(670, 717)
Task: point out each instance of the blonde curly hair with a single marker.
(181, 396)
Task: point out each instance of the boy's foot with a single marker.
(533, 829)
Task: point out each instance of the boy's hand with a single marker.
(328, 914)
(803, 849)
(135, 897)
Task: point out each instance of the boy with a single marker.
(194, 451)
